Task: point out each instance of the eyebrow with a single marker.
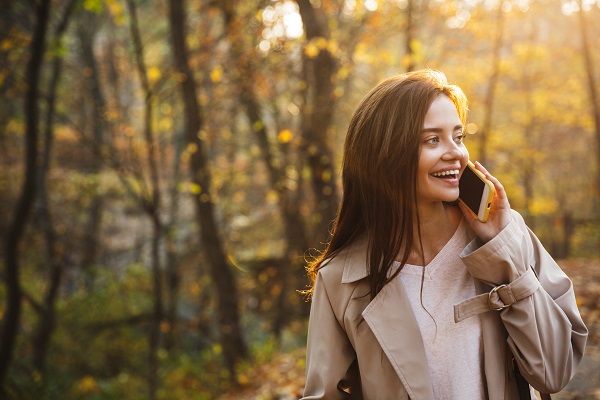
(439, 130)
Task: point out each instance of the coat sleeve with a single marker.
(329, 354)
(545, 331)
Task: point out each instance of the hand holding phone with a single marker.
(476, 192)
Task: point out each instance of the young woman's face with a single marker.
(443, 155)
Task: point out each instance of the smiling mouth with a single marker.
(452, 174)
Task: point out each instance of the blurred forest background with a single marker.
(167, 165)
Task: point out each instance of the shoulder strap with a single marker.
(523, 385)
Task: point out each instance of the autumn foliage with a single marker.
(167, 168)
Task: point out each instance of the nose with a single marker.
(454, 152)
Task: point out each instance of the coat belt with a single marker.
(499, 298)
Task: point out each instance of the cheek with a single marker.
(466, 157)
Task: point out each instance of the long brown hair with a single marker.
(379, 171)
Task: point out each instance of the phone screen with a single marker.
(471, 189)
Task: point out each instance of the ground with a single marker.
(283, 377)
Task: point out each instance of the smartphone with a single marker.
(476, 192)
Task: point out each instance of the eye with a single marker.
(433, 140)
(459, 138)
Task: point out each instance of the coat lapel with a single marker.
(391, 319)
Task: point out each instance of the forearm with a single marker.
(546, 333)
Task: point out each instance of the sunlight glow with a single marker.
(282, 20)
(371, 5)
(402, 4)
(459, 20)
(571, 7)
(293, 24)
(349, 7)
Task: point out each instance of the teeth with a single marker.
(445, 173)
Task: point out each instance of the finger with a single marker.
(466, 212)
(500, 192)
(481, 167)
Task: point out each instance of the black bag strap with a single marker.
(523, 385)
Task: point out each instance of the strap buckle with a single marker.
(490, 302)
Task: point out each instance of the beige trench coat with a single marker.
(384, 354)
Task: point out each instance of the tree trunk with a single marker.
(86, 32)
(528, 166)
(592, 89)
(409, 36)
(488, 105)
(531, 146)
(294, 227)
(233, 344)
(152, 205)
(317, 115)
(172, 261)
(10, 322)
(7, 21)
(47, 319)
(568, 230)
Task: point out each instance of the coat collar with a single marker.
(391, 319)
(355, 261)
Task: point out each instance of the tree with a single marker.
(319, 69)
(16, 230)
(491, 90)
(409, 37)
(233, 344)
(47, 314)
(294, 226)
(151, 203)
(87, 28)
(591, 81)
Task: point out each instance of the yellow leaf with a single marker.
(243, 379)
(543, 206)
(321, 42)
(154, 74)
(95, 6)
(285, 136)
(311, 50)
(190, 187)
(343, 72)
(116, 9)
(416, 46)
(332, 46)
(165, 124)
(272, 197)
(87, 385)
(194, 188)
(258, 125)
(216, 75)
(191, 148)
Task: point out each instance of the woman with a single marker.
(415, 298)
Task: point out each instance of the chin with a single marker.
(449, 198)
(452, 199)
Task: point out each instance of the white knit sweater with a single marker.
(453, 350)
